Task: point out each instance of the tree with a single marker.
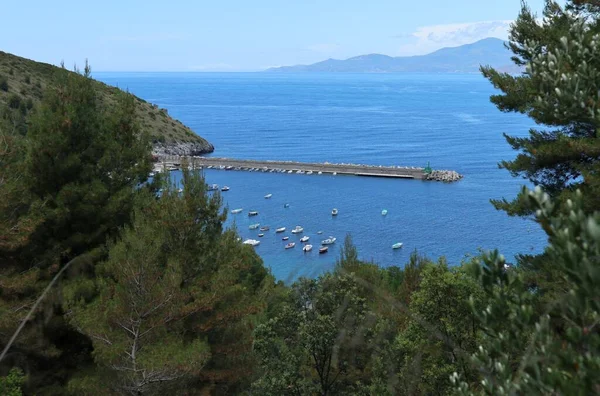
(12, 383)
(442, 331)
(520, 352)
(177, 299)
(71, 185)
(558, 90)
(319, 343)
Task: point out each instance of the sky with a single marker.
(242, 35)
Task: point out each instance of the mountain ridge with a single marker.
(462, 59)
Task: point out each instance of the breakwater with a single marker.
(231, 164)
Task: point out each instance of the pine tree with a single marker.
(558, 90)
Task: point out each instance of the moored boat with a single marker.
(213, 187)
(265, 228)
(397, 245)
(281, 229)
(329, 241)
(384, 212)
(236, 211)
(253, 213)
(261, 235)
(224, 188)
(254, 226)
(307, 248)
(297, 230)
(268, 196)
(319, 232)
(290, 245)
(323, 249)
(334, 212)
(305, 238)
(285, 238)
(251, 242)
(287, 205)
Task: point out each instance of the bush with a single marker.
(3, 83)
(14, 101)
(27, 80)
(11, 72)
(29, 104)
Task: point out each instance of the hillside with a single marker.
(27, 80)
(464, 59)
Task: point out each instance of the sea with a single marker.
(445, 120)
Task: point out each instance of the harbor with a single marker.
(309, 168)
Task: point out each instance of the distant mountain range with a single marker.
(464, 59)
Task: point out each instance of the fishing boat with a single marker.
(213, 187)
(253, 213)
(285, 238)
(265, 228)
(236, 211)
(307, 248)
(319, 232)
(290, 245)
(254, 226)
(261, 235)
(251, 242)
(268, 196)
(334, 212)
(397, 245)
(297, 230)
(305, 238)
(323, 249)
(281, 229)
(224, 188)
(329, 241)
(384, 212)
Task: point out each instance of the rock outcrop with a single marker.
(444, 176)
(183, 148)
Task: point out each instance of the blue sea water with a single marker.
(380, 119)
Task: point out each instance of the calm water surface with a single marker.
(381, 119)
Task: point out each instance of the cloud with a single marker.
(430, 38)
(323, 48)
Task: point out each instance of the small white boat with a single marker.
(253, 213)
(268, 196)
(290, 245)
(261, 235)
(287, 205)
(213, 187)
(320, 173)
(305, 238)
(281, 229)
(291, 171)
(224, 188)
(397, 245)
(319, 232)
(334, 173)
(297, 230)
(285, 238)
(309, 172)
(236, 211)
(384, 212)
(323, 249)
(251, 242)
(329, 241)
(307, 248)
(254, 226)
(334, 212)
(265, 228)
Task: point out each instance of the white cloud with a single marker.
(430, 38)
(323, 48)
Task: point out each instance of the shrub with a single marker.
(27, 80)
(14, 101)
(3, 83)
(29, 104)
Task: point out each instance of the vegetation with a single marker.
(156, 297)
(17, 75)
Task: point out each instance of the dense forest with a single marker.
(113, 284)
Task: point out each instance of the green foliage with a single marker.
(14, 101)
(27, 79)
(11, 385)
(3, 83)
(559, 90)
(521, 352)
(442, 331)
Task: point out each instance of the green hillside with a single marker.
(22, 85)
